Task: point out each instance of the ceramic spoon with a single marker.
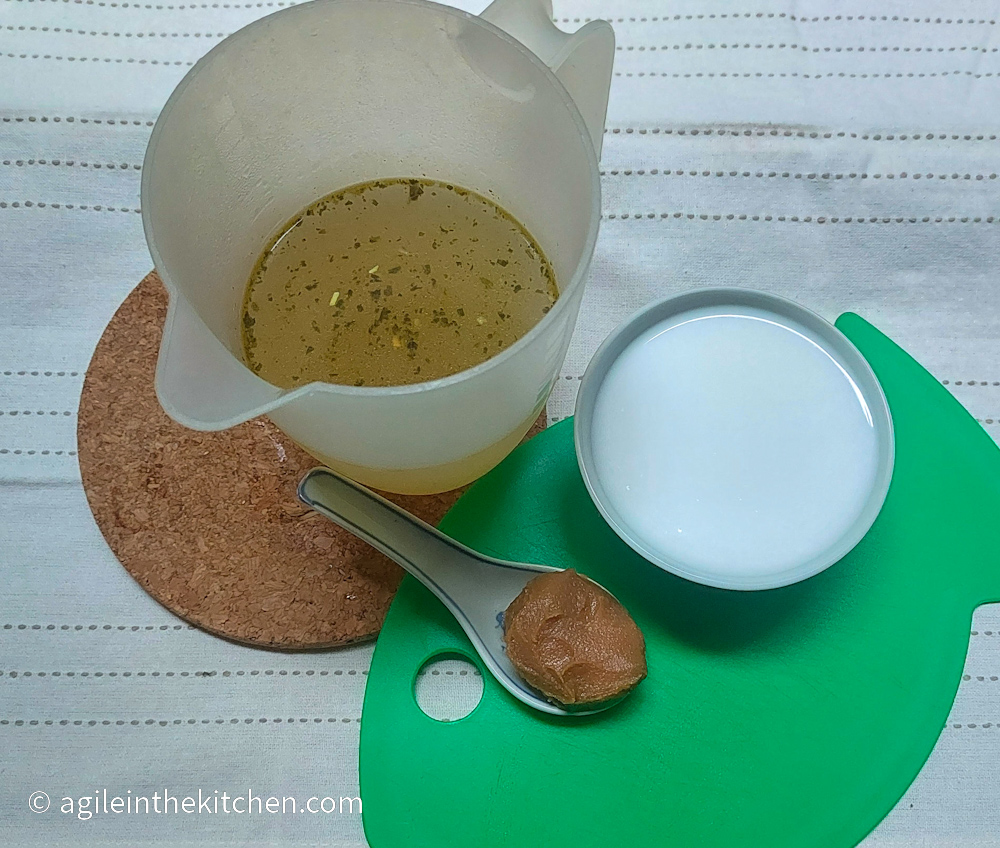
(476, 589)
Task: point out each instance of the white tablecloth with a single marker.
(843, 153)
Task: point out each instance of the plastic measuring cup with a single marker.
(334, 92)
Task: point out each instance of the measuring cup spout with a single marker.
(582, 61)
(199, 383)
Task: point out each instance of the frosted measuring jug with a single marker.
(334, 92)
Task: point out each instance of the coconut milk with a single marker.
(733, 443)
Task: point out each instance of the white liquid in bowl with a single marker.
(732, 446)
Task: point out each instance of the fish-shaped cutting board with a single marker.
(791, 717)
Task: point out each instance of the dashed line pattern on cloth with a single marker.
(97, 59)
(38, 373)
(163, 628)
(34, 452)
(804, 219)
(151, 722)
(111, 34)
(44, 119)
(109, 166)
(797, 75)
(970, 383)
(270, 672)
(802, 19)
(761, 132)
(804, 48)
(852, 175)
(66, 412)
(162, 6)
(75, 207)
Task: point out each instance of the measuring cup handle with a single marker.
(582, 60)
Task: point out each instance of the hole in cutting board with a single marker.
(448, 686)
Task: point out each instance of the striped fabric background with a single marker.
(845, 154)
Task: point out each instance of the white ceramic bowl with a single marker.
(734, 438)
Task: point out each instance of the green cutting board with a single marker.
(792, 717)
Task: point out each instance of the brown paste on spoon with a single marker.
(572, 640)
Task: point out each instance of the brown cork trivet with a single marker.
(209, 523)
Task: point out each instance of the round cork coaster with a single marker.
(209, 523)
